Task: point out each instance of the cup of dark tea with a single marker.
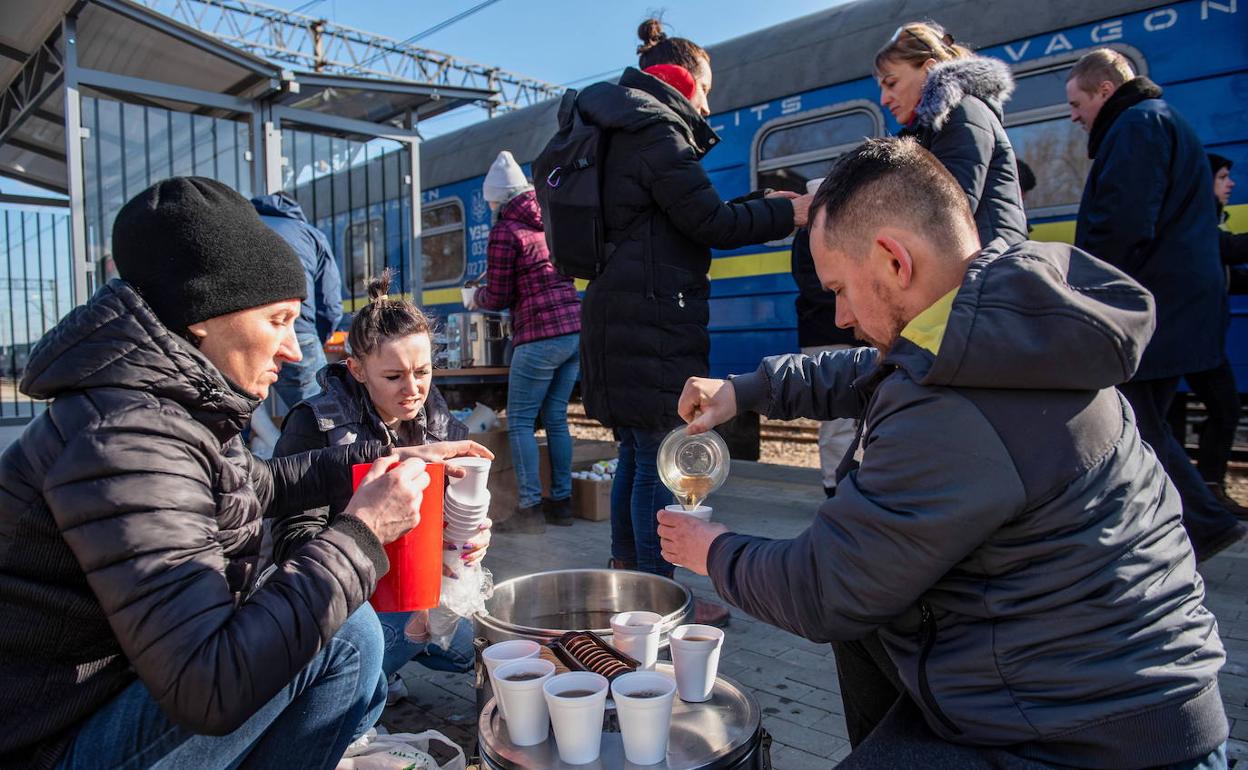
(577, 701)
(519, 685)
(643, 703)
(636, 634)
(695, 654)
(504, 652)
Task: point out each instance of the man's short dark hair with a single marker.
(891, 182)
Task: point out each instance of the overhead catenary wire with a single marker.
(436, 27)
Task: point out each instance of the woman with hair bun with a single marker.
(952, 101)
(383, 391)
(644, 318)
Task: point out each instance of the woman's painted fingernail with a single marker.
(449, 546)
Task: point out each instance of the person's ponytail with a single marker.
(657, 48)
(383, 318)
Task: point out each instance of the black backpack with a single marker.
(567, 176)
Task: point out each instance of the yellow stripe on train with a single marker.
(773, 262)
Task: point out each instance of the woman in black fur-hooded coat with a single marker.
(952, 102)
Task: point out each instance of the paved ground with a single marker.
(794, 680)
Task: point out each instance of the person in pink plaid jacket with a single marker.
(546, 323)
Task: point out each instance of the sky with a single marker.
(567, 42)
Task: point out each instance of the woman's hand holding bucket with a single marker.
(389, 502)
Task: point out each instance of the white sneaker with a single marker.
(396, 689)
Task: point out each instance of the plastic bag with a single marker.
(462, 597)
(400, 751)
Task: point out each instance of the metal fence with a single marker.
(36, 284)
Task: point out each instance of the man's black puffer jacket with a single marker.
(130, 516)
(644, 320)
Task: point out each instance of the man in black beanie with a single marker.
(133, 628)
(195, 249)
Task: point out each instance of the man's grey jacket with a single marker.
(1017, 547)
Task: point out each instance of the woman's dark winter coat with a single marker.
(959, 120)
(130, 522)
(1147, 209)
(343, 414)
(644, 320)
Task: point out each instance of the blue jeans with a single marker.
(541, 380)
(296, 382)
(458, 659)
(637, 496)
(335, 699)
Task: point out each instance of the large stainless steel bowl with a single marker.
(544, 605)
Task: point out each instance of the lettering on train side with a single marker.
(430, 195)
(788, 106)
(1113, 29)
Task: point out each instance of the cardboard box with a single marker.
(505, 492)
(591, 500)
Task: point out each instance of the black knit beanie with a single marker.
(195, 249)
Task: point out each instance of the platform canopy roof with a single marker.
(126, 50)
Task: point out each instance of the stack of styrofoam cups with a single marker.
(636, 634)
(504, 652)
(695, 654)
(519, 686)
(643, 703)
(577, 701)
(467, 500)
(812, 185)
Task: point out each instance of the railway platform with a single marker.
(794, 680)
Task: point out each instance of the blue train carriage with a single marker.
(792, 97)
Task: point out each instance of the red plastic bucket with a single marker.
(414, 581)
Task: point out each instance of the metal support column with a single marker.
(257, 149)
(73, 164)
(416, 256)
(272, 154)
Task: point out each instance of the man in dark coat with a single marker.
(644, 319)
(322, 308)
(1147, 210)
(1003, 570)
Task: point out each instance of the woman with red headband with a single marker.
(644, 319)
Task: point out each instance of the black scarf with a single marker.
(1128, 95)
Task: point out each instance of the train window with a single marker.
(442, 242)
(791, 151)
(1037, 120)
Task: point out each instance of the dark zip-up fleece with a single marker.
(1017, 547)
(340, 415)
(130, 529)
